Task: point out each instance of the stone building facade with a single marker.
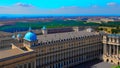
(111, 48)
(58, 50)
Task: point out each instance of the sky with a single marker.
(90, 7)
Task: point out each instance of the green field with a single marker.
(52, 24)
(56, 24)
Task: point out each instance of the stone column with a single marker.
(31, 65)
(27, 65)
(109, 49)
(104, 49)
(114, 49)
(23, 66)
(118, 51)
(34, 64)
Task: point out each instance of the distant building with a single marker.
(106, 20)
(100, 20)
(107, 29)
(94, 20)
(89, 30)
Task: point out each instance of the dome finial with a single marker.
(44, 27)
(30, 29)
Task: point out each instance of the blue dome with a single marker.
(30, 36)
(19, 35)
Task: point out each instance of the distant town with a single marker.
(96, 19)
(109, 24)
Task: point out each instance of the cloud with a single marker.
(62, 10)
(90, 10)
(3, 6)
(70, 7)
(23, 4)
(112, 4)
(94, 6)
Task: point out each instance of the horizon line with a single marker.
(19, 15)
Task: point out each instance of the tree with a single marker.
(116, 67)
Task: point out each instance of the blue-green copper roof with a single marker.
(114, 35)
(30, 36)
(44, 28)
(19, 35)
(13, 36)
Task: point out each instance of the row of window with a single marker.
(26, 65)
(60, 64)
(73, 52)
(65, 47)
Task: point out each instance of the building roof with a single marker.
(9, 53)
(114, 35)
(19, 35)
(5, 38)
(60, 36)
(5, 34)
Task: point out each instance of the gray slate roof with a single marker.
(60, 36)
